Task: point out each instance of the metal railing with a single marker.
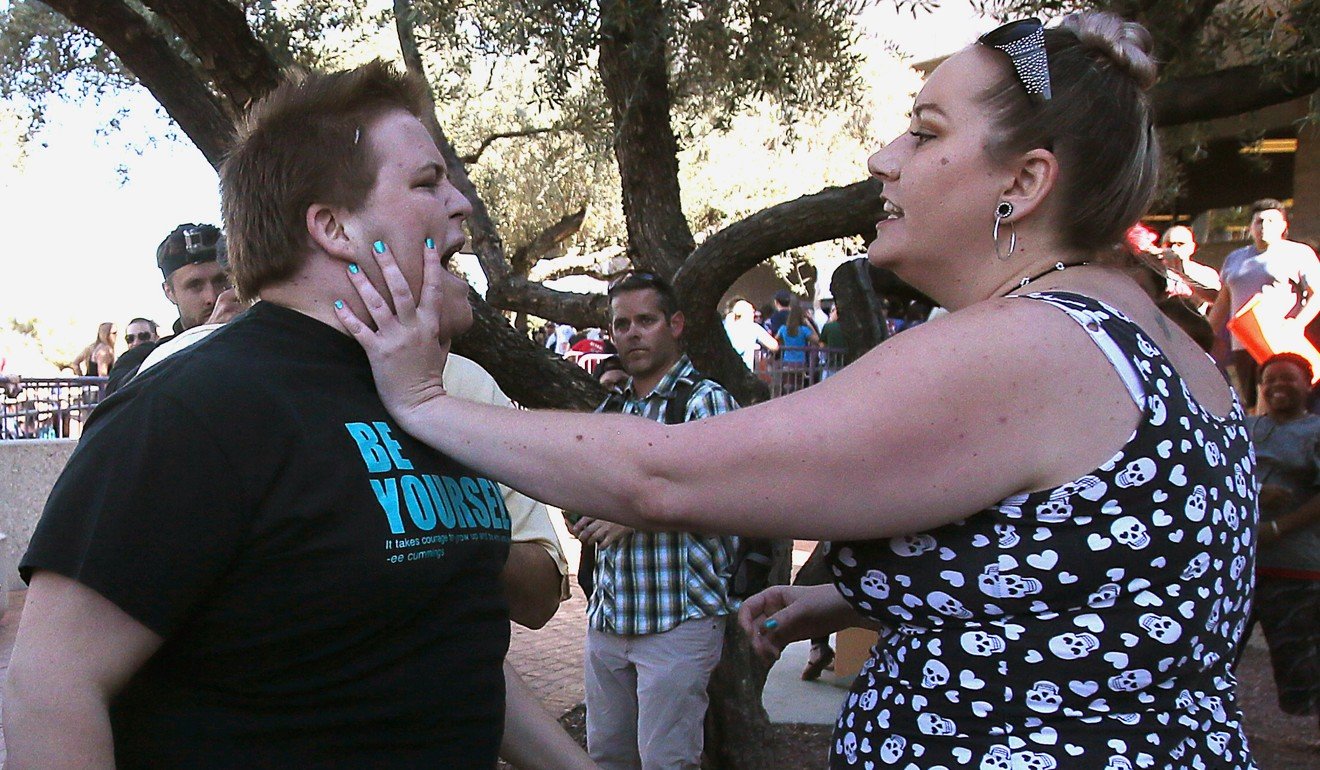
(49, 407)
(794, 368)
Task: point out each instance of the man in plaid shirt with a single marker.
(656, 618)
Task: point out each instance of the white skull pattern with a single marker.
(1103, 596)
(1044, 697)
(947, 605)
(1118, 762)
(1070, 646)
(1197, 566)
(911, 545)
(934, 724)
(1006, 586)
(868, 699)
(997, 758)
(1054, 510)
(892, 749)
(850, 748)
(1147, 349)
(1130, 532)
(1031, 760)
(1136, 473)
(875, 584)
(1231, 514)
(1161, 628)
(1196, 504)
(934, 674)
(1131, 681)
(1157, 411)
(1007, 535)
(982, 643)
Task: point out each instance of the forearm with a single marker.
(597, 462)
(531, 584)
(532, 737)
(52, 726)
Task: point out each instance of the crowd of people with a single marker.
(290, 536)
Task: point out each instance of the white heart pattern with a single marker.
(1148, 568)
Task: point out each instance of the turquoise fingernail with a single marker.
(339, 304)
(379, 247)
(353, 268)
(430, 244)
(770, 624)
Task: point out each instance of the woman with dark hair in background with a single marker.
(1045, 498)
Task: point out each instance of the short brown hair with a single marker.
(1098, 123)
(303, 144)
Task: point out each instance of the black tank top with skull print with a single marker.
(1092, 625)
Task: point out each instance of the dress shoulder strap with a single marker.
(1115, 334)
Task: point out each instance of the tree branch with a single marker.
(547, 239)
(836, 212)
(520, 295)
(171, 80)
(217, 33)
(474, 156)
(1227, 92)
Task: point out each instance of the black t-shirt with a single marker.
(127, 365)
(327, 587)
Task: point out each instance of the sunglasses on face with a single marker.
(130, 338)
(636, 279)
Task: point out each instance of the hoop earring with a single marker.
(1003, 211)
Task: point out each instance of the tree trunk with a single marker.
(738, 730)
(634, 69)
(861, 314)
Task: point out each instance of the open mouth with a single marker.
(892, 211)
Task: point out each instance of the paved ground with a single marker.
(550, 659)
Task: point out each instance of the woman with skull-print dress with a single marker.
(1045, 496)
(1092, 624)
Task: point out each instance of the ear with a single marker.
(326, 229)
(677, 323)
(1034, 178)
(168, 288)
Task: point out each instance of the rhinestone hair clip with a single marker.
(1024, 42)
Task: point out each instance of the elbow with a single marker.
(657, 505)
(536, 612)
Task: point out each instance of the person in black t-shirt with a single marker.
(246, 563)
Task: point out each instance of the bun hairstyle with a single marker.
(1097, 122)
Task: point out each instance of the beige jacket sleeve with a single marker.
(530, 519)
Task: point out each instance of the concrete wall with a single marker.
(28, 470)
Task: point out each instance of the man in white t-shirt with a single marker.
(1272, 268)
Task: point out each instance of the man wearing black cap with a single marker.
(190, 259)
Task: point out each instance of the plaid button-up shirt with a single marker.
(650, 582)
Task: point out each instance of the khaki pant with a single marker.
(646, 695)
